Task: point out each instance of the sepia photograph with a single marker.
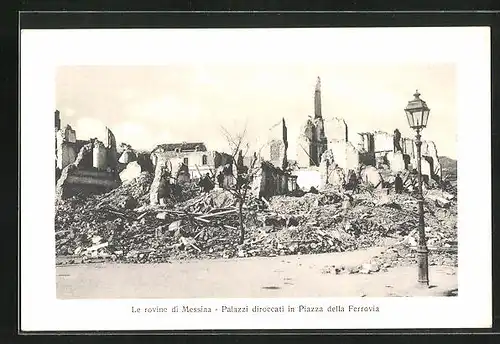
(234, 179)
(320, 180)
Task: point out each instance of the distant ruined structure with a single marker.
(83, 166)
(190, 160)
(324, 149)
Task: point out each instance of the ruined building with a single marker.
(84, 166)
(67, 146)
(190, 159)
(270, 180)
(325, 152)
(275, 149)
(272, 176)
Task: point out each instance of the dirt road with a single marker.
(285, 276)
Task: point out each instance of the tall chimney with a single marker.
(317, 99)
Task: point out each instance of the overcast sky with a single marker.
(149, 105)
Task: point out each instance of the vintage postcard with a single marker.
(255, 179)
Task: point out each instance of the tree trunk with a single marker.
(242, 228)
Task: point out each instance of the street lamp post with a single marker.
(417, 114)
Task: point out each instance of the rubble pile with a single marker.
(358, 221)
(303, 204)
(123, 227)
(129, 195)
(119, 227)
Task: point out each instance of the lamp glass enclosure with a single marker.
(417, 113)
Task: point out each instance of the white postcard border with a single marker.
(43, 50)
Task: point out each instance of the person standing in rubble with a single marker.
(206, 183)
(352, 181)
(397, 141)
(220, 179)
(164, 191)
(398, 184)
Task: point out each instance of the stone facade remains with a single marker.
(132, 171)
(127, 156)
(371, 176)
(269, 180)
(276, 147)
(336, 129)
(83, 166)
(195, 156)
(331, 174)
(396, 161)
(328, 140)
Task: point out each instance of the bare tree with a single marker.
(244, 175)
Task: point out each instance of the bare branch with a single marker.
(228, 136)
(234, 141)
(246, 150)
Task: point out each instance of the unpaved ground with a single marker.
(285, 276)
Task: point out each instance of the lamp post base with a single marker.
(423, 266)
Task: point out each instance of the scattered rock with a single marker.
(129, 202)
(132, 171)
(162, 215)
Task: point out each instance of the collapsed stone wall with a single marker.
(127, 156)
(65, 147)
(199, 163)
(275, 149)
(336, 129)
(409, 148)
(344, 154)
(401, 153)
(80, 177)
(309, 145)
(396, 161)
(430, 152)
(308, 178)
(379, 150)
(131, 171)
(383, 141)
(277, 152)
(84, 158)
(372, 176)
(268, 180)
(331, 173)
(366, 142)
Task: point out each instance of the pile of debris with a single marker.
(122, 226)
(358, 221)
